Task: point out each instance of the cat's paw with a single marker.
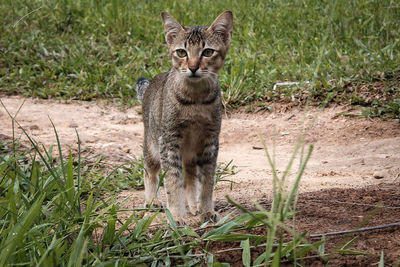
(155, 203)
(210, 216)
(180, 221)
(194, 211)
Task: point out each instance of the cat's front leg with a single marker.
(171, 166)
(151, 179)
(151, 189)
(207, 165)
(190, 186)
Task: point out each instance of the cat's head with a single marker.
(198, 52)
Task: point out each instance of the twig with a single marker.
(291, 261)
(398, 176)
(226, 250)
(358, 230)
(353, 203)
(233, 249)
(288, 83)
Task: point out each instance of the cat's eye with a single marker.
(208, 52)
(181, 53)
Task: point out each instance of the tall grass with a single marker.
(52, 213)
(51, 216)
(91, 49)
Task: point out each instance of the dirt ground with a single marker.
(354, 167)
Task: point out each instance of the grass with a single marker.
(59, 211)
(96, 49)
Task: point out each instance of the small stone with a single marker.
(73, 125)
(34, 127)
(379, 175)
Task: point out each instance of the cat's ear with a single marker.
(171, 26)
(222, 26)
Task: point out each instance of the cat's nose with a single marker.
(193, 69)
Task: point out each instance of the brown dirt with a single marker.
(355, 162)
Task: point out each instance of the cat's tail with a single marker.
(141, 84)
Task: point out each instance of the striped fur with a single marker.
(182, 118)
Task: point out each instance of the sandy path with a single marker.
(348, 152)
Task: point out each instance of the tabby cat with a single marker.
(182, 117)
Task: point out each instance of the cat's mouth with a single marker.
(193, 76)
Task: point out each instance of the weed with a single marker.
(224, 170)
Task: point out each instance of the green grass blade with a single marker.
(345, 251)
(109, 232)
(35, 174)
(142, 226)
(258, 219)
(53, 244)
(260, 259)
(16, 234)
(189, 232)
(70, 182)
(172, 221)
(352, 252)
(89, 206)
(79, 249)
(348, 244)
(382, 260)
(295, 186)
(59, 151)
(293, 244)
(307, 248)
(45, 161)
(321, 248)
(277, 256)
(235, 237)
(251, 214)
(246, 256)
(229, 226)
(78, 194)
(125, 226)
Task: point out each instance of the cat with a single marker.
(182, 111)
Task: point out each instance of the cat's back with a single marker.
(153, 94)
(156, 86)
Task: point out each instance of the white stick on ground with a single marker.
(288, 83)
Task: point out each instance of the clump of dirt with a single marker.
(347, 209)
(354, 160)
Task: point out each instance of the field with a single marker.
(71, 188)
(96, 49)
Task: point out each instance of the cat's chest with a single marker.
(199, 114)
(197, 133)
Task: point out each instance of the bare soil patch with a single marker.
(355, 162)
